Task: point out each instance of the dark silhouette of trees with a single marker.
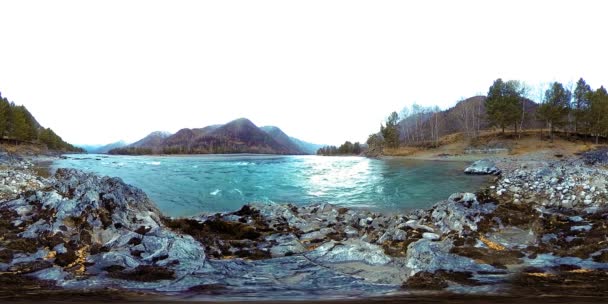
(347, 148)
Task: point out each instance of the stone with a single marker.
(460, 213)
(430, 256)
(431, 236)
(483, 166)
(349, 251)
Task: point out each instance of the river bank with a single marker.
(539, 225)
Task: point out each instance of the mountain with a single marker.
(306, 147)
(279, 136)
(151, 140)
(102, 149)
(238, 136)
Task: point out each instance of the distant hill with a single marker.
(103, 149)
(306, 147)
(237, 136)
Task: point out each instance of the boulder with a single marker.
(484, 166)
(460, 213)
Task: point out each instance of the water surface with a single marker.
(188, 185)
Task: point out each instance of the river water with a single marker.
(188, 185)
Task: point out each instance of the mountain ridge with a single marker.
(237, 136)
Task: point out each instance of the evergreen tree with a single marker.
(5, 112)
(581, 103)
(598, 112)
(19, 129)
(390, 132)
(556, 106)
(503, 104)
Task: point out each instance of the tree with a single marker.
(598, 112)
(503, 104)
(19, 129)
(390, 132)
(581, 102)
(357, 148)
(556, 106)
(375, 144)
(5, 113)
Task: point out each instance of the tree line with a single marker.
(572, 108)
(18, 125)
(347, 148)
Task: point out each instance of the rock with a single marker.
(393, 235)
(460, 213)
(430, 256)
(286, 245)
(483, 166)
(349, 251)
(431, 236)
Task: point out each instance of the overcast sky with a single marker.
(323, 71)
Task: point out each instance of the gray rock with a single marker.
(430, 256)
(460, 212)
(349, 251)
(484, 166)
(287, 244)
(431, 236)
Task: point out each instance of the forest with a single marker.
(18, 126)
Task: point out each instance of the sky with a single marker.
(323, 71)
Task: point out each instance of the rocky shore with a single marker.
(540, 228)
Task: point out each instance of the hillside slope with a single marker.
(19, 126)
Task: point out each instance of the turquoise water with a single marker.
(188, 185)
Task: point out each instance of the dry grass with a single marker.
(526, 142)
(23, 149)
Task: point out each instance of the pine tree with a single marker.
(5, 112)
(390, 132)
(503, 104)
(555, 107)
(581, 103)
(598, 113)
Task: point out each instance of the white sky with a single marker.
(323, 71)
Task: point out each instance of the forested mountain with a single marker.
(237, 136)
(18, 125)
(279, 136)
